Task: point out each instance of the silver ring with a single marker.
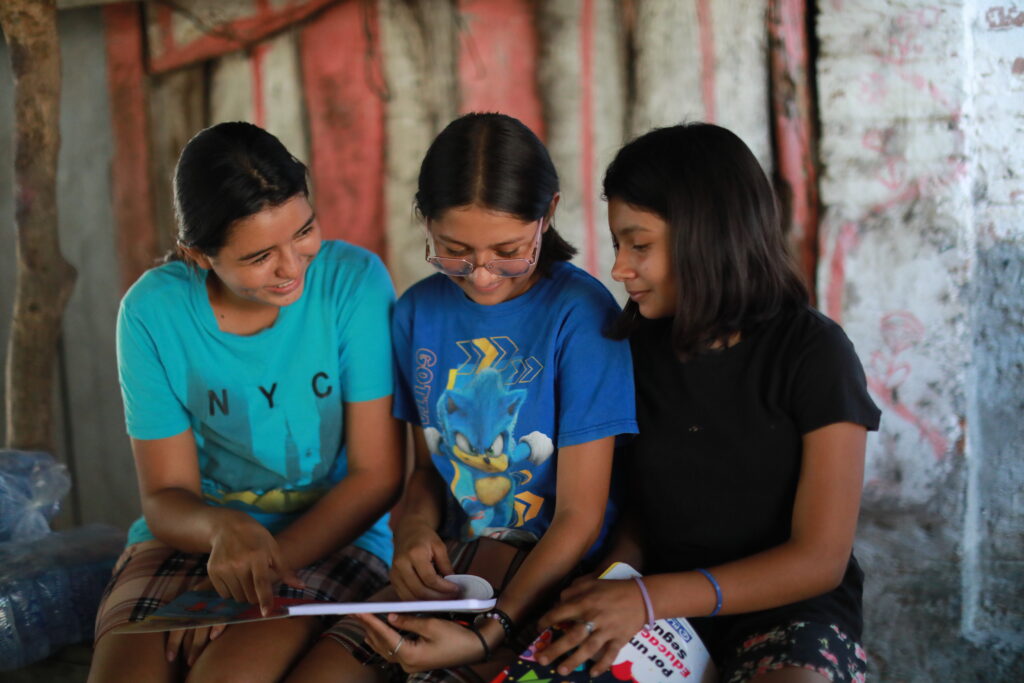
(590, 626)
(398, 646)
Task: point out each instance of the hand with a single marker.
(435, 643)
(419, 565)
(245, 563)
(192, 641)
(614, 609)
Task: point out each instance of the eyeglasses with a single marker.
(502, 267)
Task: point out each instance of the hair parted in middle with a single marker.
(495, 162)
(730, 259)
(228, 172)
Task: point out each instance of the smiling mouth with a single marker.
(285, 287)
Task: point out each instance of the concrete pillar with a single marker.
(921, 263)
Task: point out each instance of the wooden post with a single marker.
(44, 280)
(794, 116)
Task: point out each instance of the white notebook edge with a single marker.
(463, 605)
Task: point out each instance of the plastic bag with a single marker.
(50, 589)
(31, 487)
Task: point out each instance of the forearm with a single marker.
(779, 576)
(555, 557)
(337, 519)
(423, 501)
(624, 546)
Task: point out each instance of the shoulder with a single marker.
(160, 288)
(805, 340)
(344, 274)
(348, 261)
(432, 288)
(575, 288)
(809, 329)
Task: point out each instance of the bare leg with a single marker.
(790, 674)
(256, 651)
(132, 657)
(330, 661)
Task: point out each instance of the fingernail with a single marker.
(170, 656)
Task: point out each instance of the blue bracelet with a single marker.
(718, 591)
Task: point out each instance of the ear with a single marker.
(550, 215)
(195, 256)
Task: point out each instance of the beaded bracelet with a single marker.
(499, 616)
(647, 603)
(718, 591)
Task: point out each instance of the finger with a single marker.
(263, 591)
(233, 588)
(174, 643)
(556, 649)
(573, 634)
(186, 645)
(586, 650)
(577, 590)
(198, 642)
(220, 586)
(434, 582)
(376, 627)
(563, 612)
(421, 626)
(217, 630)
(441, 559)
(606, 657)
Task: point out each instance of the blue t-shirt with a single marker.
(265, 409)
(498, 389)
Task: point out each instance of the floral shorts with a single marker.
(802, 644)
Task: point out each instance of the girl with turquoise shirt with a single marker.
(256, 376)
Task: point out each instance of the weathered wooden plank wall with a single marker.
(358, 89)
(344, 86)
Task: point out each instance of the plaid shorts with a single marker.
(150, 574)
(822, 648)
(493, 560)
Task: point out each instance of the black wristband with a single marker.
(483, 641)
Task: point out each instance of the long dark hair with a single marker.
(496, 162)
(732, 266)
(228, 172)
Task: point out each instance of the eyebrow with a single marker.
(506, 243)
(249, 257)
(630, 229)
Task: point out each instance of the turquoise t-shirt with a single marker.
(266, 409)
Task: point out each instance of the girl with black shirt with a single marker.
(745, 480)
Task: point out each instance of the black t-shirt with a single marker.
(714, 469)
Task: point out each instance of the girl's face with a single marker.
(480, 235)
(266, 256)
(643, 258)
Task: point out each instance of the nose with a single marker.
(289, 265)
(481, 277)
(622, 270)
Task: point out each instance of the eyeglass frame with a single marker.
(435, 260)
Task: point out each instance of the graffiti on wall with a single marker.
(889, 367)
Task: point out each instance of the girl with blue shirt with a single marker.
(256, 376)
(515, 398)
